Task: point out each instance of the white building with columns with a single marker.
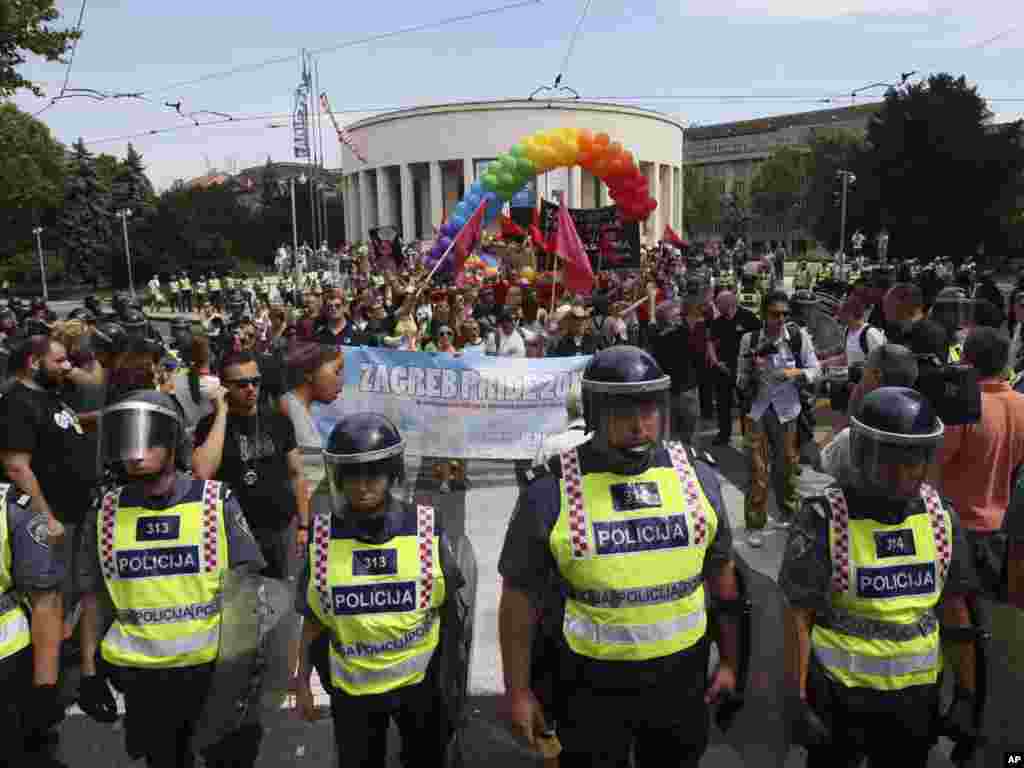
(421, 160)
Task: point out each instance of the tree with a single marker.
(31, 177)
(86, 220)
(24, 28)
(778, 189)
(945, 175)
(702, 198)
(130, 187)
(270, 192)
(832, 151)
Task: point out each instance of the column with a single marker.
(365, 214)
(667, 203)
(467, 173)
(346, 205)
(408, 204)
(656, 228)
(575, 187)
(605, 199)
(436, 202)
(384, 212)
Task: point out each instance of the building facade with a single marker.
(732, 152)
(421, 160)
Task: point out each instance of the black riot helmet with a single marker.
(363, 444)
(803, 304)
(93, 303)
(84, 314)
(141, 420)
(953, 309)
(107, 336)
(133, 321)
(893, 439)
(624, 389)
(8, 321)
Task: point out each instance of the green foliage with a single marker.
(31, 177)
(86, 219)
(130, 186)
(832, 151)
(943, 175)
(23, 267)
(24, 29)
(778, 187)
(702, 198)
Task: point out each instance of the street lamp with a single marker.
(124, 214)
(848, 178)
(295, 224)
(38, 232)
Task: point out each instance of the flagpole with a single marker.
(554, 284)
(438, 265)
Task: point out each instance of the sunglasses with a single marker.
(242, 383)
(445, 333)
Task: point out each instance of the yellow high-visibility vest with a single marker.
(882, 632)
(15, 633)
(163, 569)
(631, 550)
(380, 602)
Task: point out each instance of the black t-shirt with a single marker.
(727, 332)
(38, 422)
(269, 502)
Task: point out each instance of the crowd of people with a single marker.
(114, 436)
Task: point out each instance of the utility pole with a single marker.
(38, 232)
(848, 178)
(124, 214)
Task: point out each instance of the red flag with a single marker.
(510, 230)
(535, 234)
(577, 274)
(670, 236)
(468, 237)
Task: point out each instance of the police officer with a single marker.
(872, 569)
(31, 627)
(185, 283)
(631, 529)
(160, 546)
(385, 577)
(750, 297)
(213, 285)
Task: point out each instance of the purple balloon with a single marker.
(443, 243)
(449, 230)
(435, 252)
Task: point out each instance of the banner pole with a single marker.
(554, 284)
(437, 266)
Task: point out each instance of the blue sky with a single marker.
(679, 57)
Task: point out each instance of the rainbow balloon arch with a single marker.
(544, 151)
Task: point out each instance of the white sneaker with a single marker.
(755, 539)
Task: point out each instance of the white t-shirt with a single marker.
(855, 347)
(835, 458)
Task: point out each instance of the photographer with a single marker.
(773, 364)
(889, 365)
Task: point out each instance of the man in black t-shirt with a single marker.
(726, 331)
(254, 450)
(907, 325)
(44, 450)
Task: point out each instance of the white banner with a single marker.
(468, 407)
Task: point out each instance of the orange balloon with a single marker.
(585, 139)
(616, 147)
(627, 158)
(602, 140)
(601, 165)
(585, 159)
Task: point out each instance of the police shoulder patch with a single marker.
(242, 523)
(39, 530)
(23, 500)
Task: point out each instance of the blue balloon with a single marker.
(458, 221)
(494, 207)
(462, 210)
(443, 244)
(491, 197)
(476, 188)
(473, 201)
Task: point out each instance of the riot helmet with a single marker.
(92, 303)
(84, 314)
(107, 335)
(626, 404)
(953, 310)
(133, 321)
(38, 305)
(8, 321)
(803, 305)
(140, 421)
(362, 446)
(894, 437)
(36, 327)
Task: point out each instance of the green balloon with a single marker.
(526, 168)
(489, 181)
(506, 180)
(517, 151)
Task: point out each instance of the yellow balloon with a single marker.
(533, 151)
(571, 136)
(569, 154)
(548, 158)
(541, 138)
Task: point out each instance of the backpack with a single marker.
(796, 339)
(863, 339)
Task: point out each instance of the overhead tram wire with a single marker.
(271, 116)
(71, 61)
(347, 44)
(572, 40)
